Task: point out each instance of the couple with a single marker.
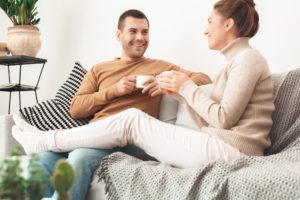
(235, 119)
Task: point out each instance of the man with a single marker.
(109, 88)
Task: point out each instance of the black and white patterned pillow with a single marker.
(54, 113)
(66, 92)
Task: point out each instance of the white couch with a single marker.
(170, 112)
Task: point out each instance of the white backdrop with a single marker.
(84, 30)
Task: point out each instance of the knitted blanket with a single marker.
(274, 176)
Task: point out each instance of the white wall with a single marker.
(84, 30)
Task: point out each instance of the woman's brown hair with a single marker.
(243, 13)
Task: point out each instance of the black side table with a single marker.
(18, 87)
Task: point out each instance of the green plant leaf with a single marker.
(21, 12)
(62, 178)
(14, 186)
(37, 180)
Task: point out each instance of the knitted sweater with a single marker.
(239, 110)
(98, 94)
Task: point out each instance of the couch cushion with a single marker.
(54, 113)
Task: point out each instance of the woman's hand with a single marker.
(171, 81)
(152, 87)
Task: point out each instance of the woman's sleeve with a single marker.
(242, 79)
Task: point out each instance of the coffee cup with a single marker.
(141, 80)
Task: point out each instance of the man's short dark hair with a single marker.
(131, 13)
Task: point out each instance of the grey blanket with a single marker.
(274, 176)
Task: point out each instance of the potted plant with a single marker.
(23, 36)
(13, 183)
(62, 179)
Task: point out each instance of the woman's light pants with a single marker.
(178, 146)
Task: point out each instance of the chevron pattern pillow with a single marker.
(54, 113)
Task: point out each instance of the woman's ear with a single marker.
(229, 23)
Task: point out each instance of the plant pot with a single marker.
(23, 40)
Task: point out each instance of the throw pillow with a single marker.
(54, 113)
(66, 92)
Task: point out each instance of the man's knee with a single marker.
(49, 155)
(48, 159)
(86, 157)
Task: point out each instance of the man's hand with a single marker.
(126, 85)
(152, 87)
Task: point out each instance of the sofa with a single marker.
(154, 178)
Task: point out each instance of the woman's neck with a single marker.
(233, 47)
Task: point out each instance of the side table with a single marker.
(18, 87)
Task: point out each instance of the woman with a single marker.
(235, 120)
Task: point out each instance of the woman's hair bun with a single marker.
(249, 2)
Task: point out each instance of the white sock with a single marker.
(34, 142)
(23, 125)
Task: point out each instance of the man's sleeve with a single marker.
(197, 77)
(90, 98)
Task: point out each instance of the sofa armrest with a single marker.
(6, 139)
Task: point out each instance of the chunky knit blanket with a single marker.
(273, 176)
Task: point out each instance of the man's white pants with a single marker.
(178, 146)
